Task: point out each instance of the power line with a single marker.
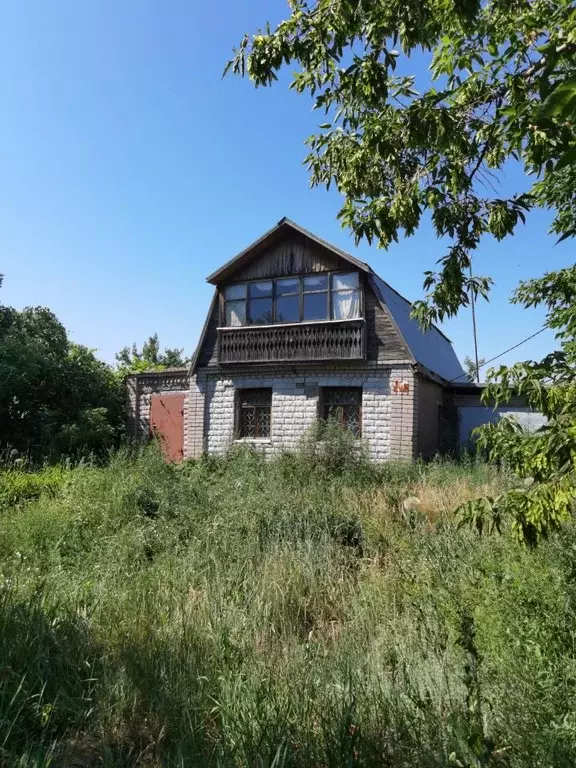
(503, 353)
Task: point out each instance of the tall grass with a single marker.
(233, 612)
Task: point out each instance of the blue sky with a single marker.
(129, 170)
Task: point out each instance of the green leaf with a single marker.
(568, 158)
(561, 102)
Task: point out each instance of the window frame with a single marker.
(322, 406)
(239, 407)
(269, 297)
(301, 293)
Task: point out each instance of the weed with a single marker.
(233, 611)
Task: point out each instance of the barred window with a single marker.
(254, 410)
(344, 405)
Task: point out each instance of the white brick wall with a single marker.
(388, 408)
(194, 418)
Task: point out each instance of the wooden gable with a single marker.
(293, 256)
(286, 250)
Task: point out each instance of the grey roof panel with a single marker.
(431, 348)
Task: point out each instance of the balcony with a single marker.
(295, 342)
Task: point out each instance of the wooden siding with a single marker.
(298, 342)
(383, 340)
(208, 355)
(292, 257)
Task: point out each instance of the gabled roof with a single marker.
(278, 232)
(430, 349)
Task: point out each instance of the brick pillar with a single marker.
(403, 414)
(194, 417)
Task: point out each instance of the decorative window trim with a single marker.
(331, 293)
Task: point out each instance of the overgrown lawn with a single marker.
(233, 612)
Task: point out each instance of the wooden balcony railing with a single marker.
(297, 342)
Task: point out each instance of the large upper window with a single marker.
(334, 296)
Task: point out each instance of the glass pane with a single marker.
(345, 281)
(235, 313)
(345, 305)
(315, 306)
(344, 406)
(235, 291)
(288, 285)
(260, 396)
(316, 283)
(260, 311)
(342, 396)
(248, 422)
(258, 290)
(288, 309)
(255, 406)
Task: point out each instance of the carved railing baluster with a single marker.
(336, 340)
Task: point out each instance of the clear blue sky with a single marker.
(129, 170)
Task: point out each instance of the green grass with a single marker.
(234, 612)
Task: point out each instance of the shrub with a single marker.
(18, 485)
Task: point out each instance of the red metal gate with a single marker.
(167, 423)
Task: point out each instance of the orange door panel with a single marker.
(167, 424)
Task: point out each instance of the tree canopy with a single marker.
(470, 367)
(501, 90)
(545, 459)
(150, 358)
(56, 397)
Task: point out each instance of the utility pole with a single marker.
(473, 304)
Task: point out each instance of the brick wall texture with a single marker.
(399, 408)
(388, 408)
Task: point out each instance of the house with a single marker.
(299, 330)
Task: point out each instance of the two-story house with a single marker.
(299, 330)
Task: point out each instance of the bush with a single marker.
(19, 485)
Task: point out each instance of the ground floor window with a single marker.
(254, 410)
(344, 405)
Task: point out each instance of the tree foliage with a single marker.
(150, 358)
(503, 88)
(471, 368)
(56, 397)
(546, 458)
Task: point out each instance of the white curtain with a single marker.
(235, 313)
(344, 282)
(346, 304)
